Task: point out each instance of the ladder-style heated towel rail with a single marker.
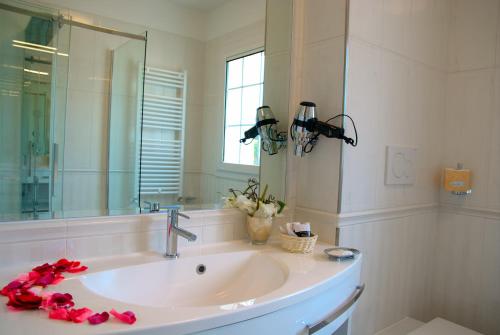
(163, 121)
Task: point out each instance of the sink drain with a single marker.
(200, 269)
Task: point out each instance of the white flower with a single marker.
(266, 210)
(228, 202)
(245, 204)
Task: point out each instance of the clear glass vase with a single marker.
(259, 229)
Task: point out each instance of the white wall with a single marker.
(155, 14)
(217, 177)
(467, 273)
(397, 62)
(321, 80)
(424, 74)
(279, 23)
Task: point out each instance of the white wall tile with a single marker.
(428, 30)
(449, 117)
(397, 257)
(20, 231)
(468, 130)
(466, 276)
(363, 95)
(14, 254)
(319, 26)
(317, 181)
(366, 20)
(494, 154)
(322, 223)
(487, 318)
(473, 34)
(396, 25)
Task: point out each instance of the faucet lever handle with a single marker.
(183, 215)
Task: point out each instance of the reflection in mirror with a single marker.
(33, 51)
(93, 126)
(224, 73)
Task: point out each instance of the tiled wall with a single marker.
(424, 74)
(216, 178)
(395, 86)
(472, 125)
(466, 279)
(398, 255)
(320, 34)
(33, 242)
(467, 266)
(396, 81)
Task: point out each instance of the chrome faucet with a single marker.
(152, 207)
(173, 230)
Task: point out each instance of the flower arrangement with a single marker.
(254, 204)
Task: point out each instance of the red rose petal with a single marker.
(63, 265)
(126, 317)
(57, 301)
(59, 314)
(80, 315)
(23, 277)
(13, 285)
(46, 279)
(77, 269)
(44, 268)
(24, 299)
(98, 318)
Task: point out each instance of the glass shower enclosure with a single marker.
(70, 133)
(33, 78)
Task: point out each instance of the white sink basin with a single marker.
(238, 277)
(245, 290)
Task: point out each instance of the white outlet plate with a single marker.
(400, 166)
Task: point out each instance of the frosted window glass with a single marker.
(232, 151)
(249, 153)
(234, 73)
(250, 102)
(233, 107)
(252, 69)
(244, 87)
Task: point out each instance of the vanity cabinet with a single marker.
(294, 319)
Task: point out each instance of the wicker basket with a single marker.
(303, 245)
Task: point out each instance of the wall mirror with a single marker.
(101, 113)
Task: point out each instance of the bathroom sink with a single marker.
(234, 287)
(235, 278)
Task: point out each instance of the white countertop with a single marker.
(307, 276)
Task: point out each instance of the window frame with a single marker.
(232, 167)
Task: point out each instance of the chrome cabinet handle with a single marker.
(338, 312)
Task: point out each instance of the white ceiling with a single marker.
(201, 5)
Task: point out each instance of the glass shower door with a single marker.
(31, 66)
(125, 127)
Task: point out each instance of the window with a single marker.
(244, 91)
